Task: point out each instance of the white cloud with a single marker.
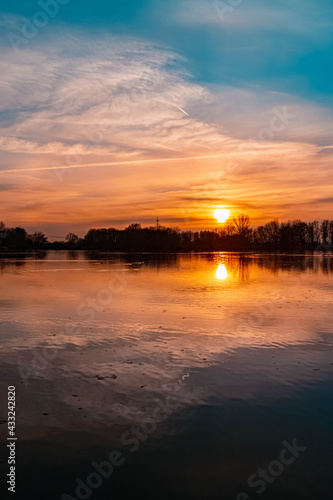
(121, 97)
(95, 91)
(244, 113)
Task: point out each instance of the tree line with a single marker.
(236, 235)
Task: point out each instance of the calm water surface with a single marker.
(197, 369)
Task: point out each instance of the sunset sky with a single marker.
(119, 112)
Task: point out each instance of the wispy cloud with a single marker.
(107, 85)
(286, 16)
(127, 108)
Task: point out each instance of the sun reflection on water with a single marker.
(221, 272)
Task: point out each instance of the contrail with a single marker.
(175, 105)
(110, 164)
(180, 109)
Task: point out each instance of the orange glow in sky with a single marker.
(82, 159)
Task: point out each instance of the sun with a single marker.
(221, 214)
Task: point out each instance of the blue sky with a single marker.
(284, 46)
(185, 79)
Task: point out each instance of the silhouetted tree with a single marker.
(233, 236)
(3, 233)
(324, 228)
(72, 239)
(37, 240)
(330, 232)
(133, 227)
(242, 224)
(16, 238)
(314, 233)
(229, 229)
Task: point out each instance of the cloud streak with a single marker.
(110, 164)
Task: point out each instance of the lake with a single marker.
(189, 376)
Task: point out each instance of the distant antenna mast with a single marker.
(157, 223)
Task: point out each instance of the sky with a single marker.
(119, 112)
